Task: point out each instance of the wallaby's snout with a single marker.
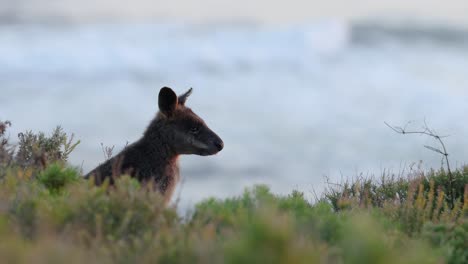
(219, 144)
(213, 143)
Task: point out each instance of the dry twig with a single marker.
(442, 150)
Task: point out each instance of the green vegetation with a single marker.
(49, 215)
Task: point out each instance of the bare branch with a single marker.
(434, 149)
(426, 130)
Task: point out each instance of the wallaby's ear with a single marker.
(183, 97)
(167, 101)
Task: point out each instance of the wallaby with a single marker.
(153, 159)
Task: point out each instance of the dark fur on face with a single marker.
(153, 159)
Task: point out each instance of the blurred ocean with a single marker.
(293, 104)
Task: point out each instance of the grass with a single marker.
(128, 223)
(48, 214)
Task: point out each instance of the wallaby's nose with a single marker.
(219, 145)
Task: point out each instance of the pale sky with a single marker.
(268, 11)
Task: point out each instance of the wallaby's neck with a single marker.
(156, 139)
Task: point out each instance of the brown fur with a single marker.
(153, 159)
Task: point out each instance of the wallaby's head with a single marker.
(186, 132)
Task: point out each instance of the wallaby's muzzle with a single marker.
(214, 145)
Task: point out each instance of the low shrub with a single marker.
(48, 214)
(56, 177)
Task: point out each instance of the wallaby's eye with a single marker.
(194, 130)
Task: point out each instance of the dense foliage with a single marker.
(48, 214)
